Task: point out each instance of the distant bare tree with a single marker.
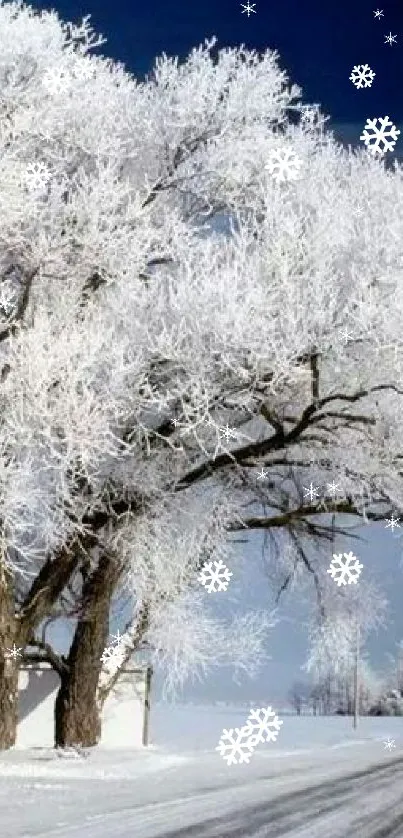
(298, 695)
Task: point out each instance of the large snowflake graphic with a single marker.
(56, 80)
(375, 139)
(283, 164)
(84, 69)
(345, 569)
(263, 725)
(113, 656)
(362, 75)
(217, 579)
(37, 176)
(235, 745)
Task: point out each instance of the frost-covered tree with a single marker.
(101, 333)
(337, 641)
(146, 356)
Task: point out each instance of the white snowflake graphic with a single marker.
(13, 653)
(362, 76)
(112, 657)
(345, 335)
(84, 69)
(264, 726)
(392, 523)
(333, 489)
(262, 474)
(248, 8)
(283, 164)
(117, 638)
(377, 142)
(390, 39)
(228, 433)
(114, 654)
(311, 493)
(37, 176)
(345, 571)
(219, 577)
(56, 80)
(235, 746)
(378, 13)
(389, 744)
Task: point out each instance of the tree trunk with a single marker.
(77, 714)
(17, 629)
(8, 665)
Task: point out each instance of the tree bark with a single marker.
(16, 628)
(8, 665)
(77, 712)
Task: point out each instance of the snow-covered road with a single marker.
(350, 791)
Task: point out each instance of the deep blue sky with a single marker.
(318, 42)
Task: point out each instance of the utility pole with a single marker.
(356, 675)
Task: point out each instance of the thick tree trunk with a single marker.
(8, 665)
(8, 702)
(77, 714)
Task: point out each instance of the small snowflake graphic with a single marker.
(311, 493)
(377, 142)
(262, 474)
(390, 39)
(13, 653)
(362, 76)
(228, 433)
(283, 164)
(378, 13)
(234, 745)
(333, 489)
(392, 523)
(219, 577)
(37, 176)
(345, 335)
(56, 80)
(248, 8)
(117, 638)
(264, 725)
(389, 744)
(345, 571)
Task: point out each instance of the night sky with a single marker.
(318, 42)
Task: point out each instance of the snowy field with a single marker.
(319, 778)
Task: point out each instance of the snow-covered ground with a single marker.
(319, 778)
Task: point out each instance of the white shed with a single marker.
(125, 716)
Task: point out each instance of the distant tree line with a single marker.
(334, 694)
